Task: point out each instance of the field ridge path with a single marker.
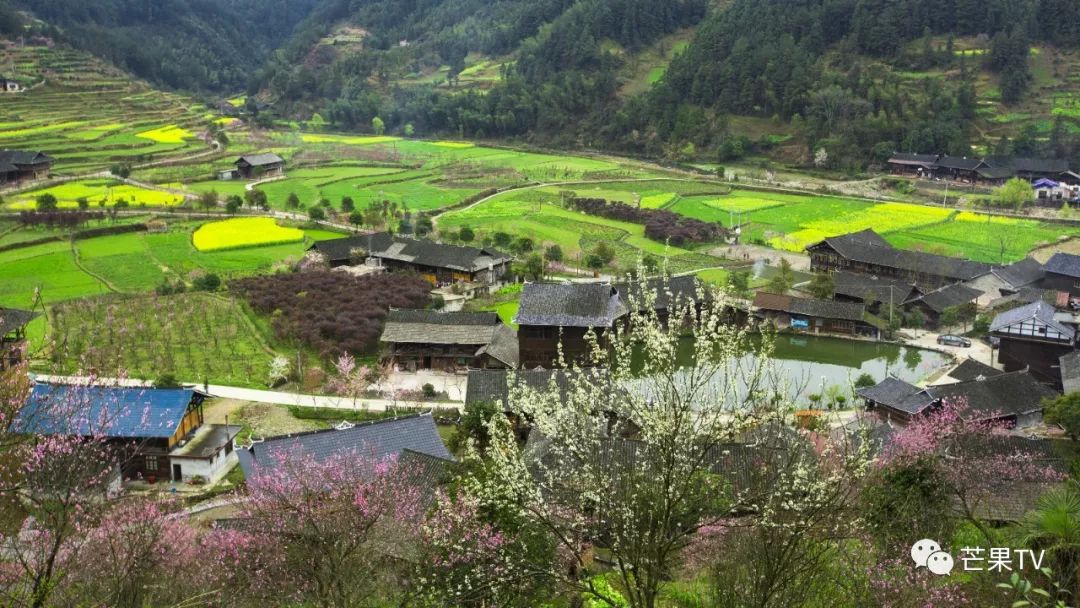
(78, 264)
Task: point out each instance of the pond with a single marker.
(812, 363)
(841, 361)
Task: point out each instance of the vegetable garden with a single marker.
(194, 336)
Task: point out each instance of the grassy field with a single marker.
(238, 233)
(194, 336)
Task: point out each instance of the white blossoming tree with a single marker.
(629, 459)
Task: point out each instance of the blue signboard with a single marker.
(797, 323)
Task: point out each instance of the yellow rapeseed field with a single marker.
(243, 232)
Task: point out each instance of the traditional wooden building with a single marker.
(13, 324)
(866, 252)
(22, 165)
(259, 166)
(815, 316)
(551, 314)
(1031, 338)
(932, 305)
(920, 165)
(159, 433)
(449, 341)
(876, 293)
(439, 263)
(666, 293)
(8, 85)
(1013, 398)
(1062, 273)
(1004, 282)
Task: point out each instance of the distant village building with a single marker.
(1013, 398)
(440, 264)
(253, 166)
(867, 253)
(161, 432)
(551, 314)
(9, 86)
(23, 165)
(13, 324)
(1032, 338)
(988, 171)
(815, 316)
(448, 341)
(1062, 273)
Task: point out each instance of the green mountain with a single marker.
(839, 84)
(187, 44)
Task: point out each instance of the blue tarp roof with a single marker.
(1045, 183)
(106, 410)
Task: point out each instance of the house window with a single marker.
(151, 463)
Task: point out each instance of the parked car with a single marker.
(950, 340)
(1074, 303)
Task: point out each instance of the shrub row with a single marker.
(660, 224)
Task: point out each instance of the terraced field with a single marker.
(89, 116)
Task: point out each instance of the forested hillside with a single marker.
(835, 83)
(189, 44)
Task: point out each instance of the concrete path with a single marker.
(979, 350)
(274, 397)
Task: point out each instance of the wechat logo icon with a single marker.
(927, 553)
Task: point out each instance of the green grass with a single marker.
(50, 268)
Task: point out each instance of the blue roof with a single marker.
(107, 410)
(379, 439)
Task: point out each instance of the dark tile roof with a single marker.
(683, 289)
(378, 440)
(207, 441)
(415, 251)
(1039, 311)
(897, 394)
(260, 160)
(107, 410)
(1070, 371)
(1006, 394)
(822, 309)
(958, 162)
(570, 305)
(1009, 501)
(481, 329)
(996, 172)
(1040, 165)
(905, 158)
(12, 319)
(1065, 264)
(854, 285)
(970, 369)
(949, 296)
(868, 247)
(493, 386)
(23, 157)
(1022, 273)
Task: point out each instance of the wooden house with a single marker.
(160, 433)
(1032, 338)
(877, 293)
(666, 294)
(1014, 398)
(815, 316)
(959, 168)
(13, 324)
(439, 263)
(1062, 273)
(866, 252)
(449, 341)
(254, 166)
(8, 85)
(1002, 283)
(932, 305)
(22, 165)
(551, 314)
(920, 165)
